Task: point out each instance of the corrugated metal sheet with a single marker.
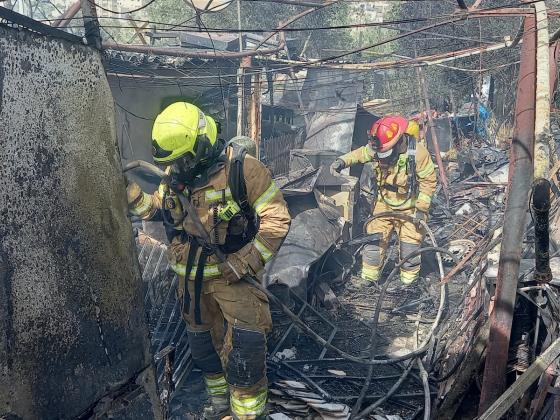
(164, 312)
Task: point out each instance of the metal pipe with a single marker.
(64, 20)
(544, 143)
(521, 174)
(426, 385)
(541, 210)
(181, 52)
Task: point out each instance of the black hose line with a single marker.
(371, 362)
(443, 296)
(144, 165)
(324, 343)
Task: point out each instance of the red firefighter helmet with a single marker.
(386, 132)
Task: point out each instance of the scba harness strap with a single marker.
(238, 187)
(412, 177)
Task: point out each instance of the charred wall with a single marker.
(72, 322)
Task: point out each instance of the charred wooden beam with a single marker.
(508, 398)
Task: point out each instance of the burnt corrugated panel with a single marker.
(331, 96)
(167, 327)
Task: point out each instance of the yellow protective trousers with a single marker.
(230, 342)
(410, 238)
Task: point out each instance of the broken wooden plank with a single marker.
(464, 376)
(512, 394)
(542, 392)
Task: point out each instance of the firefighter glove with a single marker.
(337, 166)
(421, 215)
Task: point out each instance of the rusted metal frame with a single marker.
(521, 175)
(508, 11)
(181, 52)
(435, 144)
(137, 30)
(519, 387)
(64, 20)
(461, 227)
(36, 26)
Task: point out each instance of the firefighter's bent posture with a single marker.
(246, 216)
(406, 180)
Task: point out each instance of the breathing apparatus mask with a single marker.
(189, 166)
(388, 157)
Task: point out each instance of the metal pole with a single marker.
(91, 24)
(64, 20)
(521, 175)
(435, 144)
(240, 78)
(543, 145)
(256, 111)
(543, 137)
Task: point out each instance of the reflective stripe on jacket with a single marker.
(263, 195)
(396, 178)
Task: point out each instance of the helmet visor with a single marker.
(185, 163)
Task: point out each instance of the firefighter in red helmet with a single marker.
(406, 180)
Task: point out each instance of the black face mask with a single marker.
(190, 166)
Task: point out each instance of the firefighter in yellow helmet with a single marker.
(245, 215)
(406, 180)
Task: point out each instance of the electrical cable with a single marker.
(116, 12)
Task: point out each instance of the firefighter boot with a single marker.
(372, 262)
(217, 408)
(218, 405)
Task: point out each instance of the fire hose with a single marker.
(425, 343)
(316, 337)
